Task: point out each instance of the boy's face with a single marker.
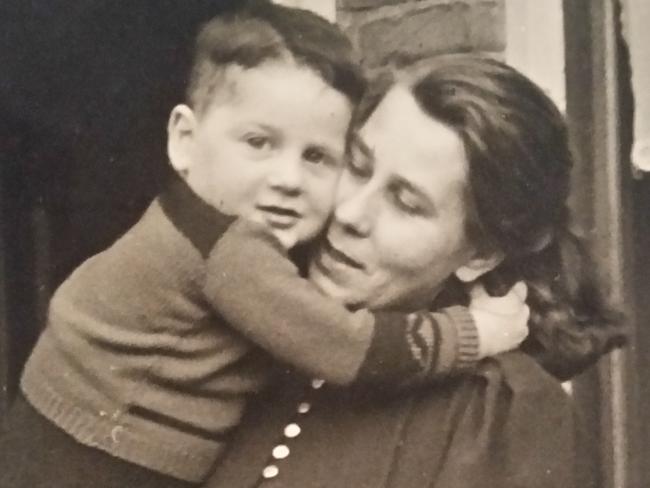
(269, 147)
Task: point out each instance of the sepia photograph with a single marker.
(324, 243)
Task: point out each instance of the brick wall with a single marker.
(404, 31)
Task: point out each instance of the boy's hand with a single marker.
(501, 322)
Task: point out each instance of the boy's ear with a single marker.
(180, 138)
(478, 266)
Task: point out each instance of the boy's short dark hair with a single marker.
(263, 31)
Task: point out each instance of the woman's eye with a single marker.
(408, 203)
(257, 142)
(314, 155)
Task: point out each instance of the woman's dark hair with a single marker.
(519, 159)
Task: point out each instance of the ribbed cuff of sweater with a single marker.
(419, 347)
(460, 341)
(163, 450)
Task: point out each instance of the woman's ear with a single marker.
(478, 266)
(181, 130)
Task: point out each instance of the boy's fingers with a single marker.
(520, 289)
(477, 292)
(516, 295)
(523, 324)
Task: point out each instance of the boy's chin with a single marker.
(287, 237)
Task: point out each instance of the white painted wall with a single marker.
(636, 28)
(535, 43)
(325, 8)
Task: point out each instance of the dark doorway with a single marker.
(85, 90)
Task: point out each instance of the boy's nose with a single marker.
(286, 175)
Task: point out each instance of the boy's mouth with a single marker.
(279, 217)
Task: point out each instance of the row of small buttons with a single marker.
(291, 431)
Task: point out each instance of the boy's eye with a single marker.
(360, 159)
(257, 142)
(359, 165)
(314, 155)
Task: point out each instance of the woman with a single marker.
(457, 176)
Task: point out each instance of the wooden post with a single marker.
(603, 204)
(4, 323)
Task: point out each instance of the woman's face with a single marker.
(398, 230)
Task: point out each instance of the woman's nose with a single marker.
(355, 209)
(286, 175)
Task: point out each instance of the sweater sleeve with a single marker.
(253, 285)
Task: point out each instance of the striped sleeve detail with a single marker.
(390, 358)
(459, 348)
(421, 346)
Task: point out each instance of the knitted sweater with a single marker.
(149, 350)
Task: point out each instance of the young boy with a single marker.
(138, 367)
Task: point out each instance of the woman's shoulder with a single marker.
(520, 373)
(514, 374)
(508, 424)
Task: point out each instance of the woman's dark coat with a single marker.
(509, 425)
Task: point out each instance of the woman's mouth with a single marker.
(279, 217)
(339, 256)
